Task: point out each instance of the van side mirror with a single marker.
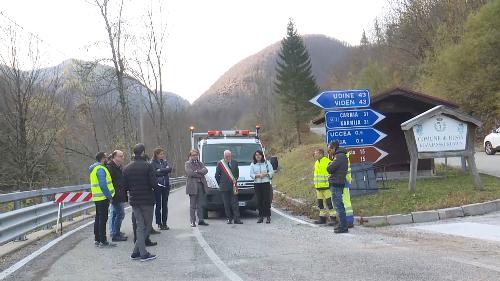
(274, 162)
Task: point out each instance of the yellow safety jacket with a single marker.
(321, 174)
(97, 194)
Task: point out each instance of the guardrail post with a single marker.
(45, 199)
(17, 205)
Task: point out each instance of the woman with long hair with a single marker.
(261, 171)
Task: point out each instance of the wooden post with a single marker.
(471, 135)
(463, 163)
(475, 174)
(412, 149)
(446, 166)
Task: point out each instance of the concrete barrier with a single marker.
(450, 213)
(473, 209)
(490, 207)
(399, 219)
(498, 204)
(372, 221)
(425, 216)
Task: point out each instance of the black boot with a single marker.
(268, 220)
(322, 220)
(261, 219)
(334, 221)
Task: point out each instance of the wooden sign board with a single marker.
(441, 132)
(365, 154)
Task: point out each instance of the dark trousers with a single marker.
(231, 206)
(161, 206)
(143, 215)
(197, 203)
(101, 218)
(338, 202)
(134, 226)
(263, 193)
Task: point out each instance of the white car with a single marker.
(492, 142)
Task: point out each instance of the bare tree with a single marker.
(149, 64)
(117, 43)
(32, 116)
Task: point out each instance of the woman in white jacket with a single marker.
(261, 171)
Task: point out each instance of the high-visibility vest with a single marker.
(348, 176)
(97, 194)
(321, 173)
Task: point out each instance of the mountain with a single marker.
(244, 93)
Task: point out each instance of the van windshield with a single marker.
(242, 152)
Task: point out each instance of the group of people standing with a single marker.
(141, 183)
(332, 178)
(144, 184)
(226, 175)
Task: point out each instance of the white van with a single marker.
(242, 144)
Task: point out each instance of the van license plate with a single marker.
(242, 204)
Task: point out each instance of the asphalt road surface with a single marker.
(486, 164)
(283, 250)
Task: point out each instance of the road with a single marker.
(486, 164)
(282, 250)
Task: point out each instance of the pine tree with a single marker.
(295, 83)
(364, 40)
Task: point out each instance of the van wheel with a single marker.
(488, 148)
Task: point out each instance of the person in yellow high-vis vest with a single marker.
(346, 196)
(103, 191)
(323, 193)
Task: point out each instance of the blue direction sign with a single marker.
(355, 136)
(342, 99)
(352, 118)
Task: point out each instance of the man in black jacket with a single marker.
(118, 203)
(338, 172)
(226, 175)
(140, 180)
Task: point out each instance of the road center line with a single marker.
(231, 275)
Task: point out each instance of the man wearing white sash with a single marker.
(226, 175)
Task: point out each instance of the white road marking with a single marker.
(231, 275)
(477, 264)
(292, 218)
(304, 222)
(40, 251)
(13, 268)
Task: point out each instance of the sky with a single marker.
(204, 37)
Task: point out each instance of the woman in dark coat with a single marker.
(162, 190)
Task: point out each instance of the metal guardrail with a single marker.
(16, 223)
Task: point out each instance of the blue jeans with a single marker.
(337, 192)
(117, 214)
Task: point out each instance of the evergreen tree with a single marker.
(364, 40)
(295, 83)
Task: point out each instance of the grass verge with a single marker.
(452, 189)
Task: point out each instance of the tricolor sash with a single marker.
(229, 173)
